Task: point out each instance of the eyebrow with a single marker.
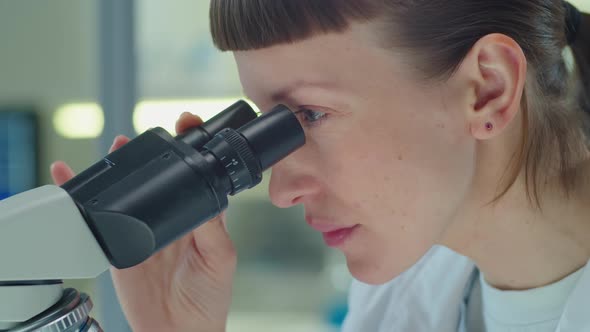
(287, 93)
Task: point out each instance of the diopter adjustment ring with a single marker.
(234, 153)
(239, 143)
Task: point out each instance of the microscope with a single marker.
(125, 208)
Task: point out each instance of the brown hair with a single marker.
(439, 34)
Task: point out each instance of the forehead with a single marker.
(330, 60)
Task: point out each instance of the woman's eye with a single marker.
(310, 117)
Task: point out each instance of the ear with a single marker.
(495, 71)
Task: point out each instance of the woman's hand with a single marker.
(184, 287)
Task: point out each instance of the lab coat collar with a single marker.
(576, 314)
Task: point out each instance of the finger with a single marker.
(212, 239)
(223, 217)
(119, 142)
(61, 172)
(187, 121)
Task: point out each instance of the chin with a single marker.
(378, 269)
(372, 273)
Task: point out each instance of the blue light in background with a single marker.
(18, 151)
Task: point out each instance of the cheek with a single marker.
(407, 168)
(404, 186)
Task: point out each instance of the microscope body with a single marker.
(142, 196)
(126, 207)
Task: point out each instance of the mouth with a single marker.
(338, 237)
(334, 235)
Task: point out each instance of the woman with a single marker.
(446, 158)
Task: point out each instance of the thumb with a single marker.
(212, 241)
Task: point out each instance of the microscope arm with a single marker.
(43, 236)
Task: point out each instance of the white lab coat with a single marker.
(431, 295)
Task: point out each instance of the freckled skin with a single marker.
(382, 157)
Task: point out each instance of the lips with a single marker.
(339, 237)
(334, 235)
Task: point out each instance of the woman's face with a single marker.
(388, 159)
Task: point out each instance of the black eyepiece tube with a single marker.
(232, 117)
(274, 135)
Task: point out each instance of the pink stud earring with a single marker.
(489, 126)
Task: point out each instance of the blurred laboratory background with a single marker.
(74, 74)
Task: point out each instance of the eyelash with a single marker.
(311, 118)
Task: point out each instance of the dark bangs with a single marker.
(240, 25)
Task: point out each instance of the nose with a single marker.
(291, 185)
